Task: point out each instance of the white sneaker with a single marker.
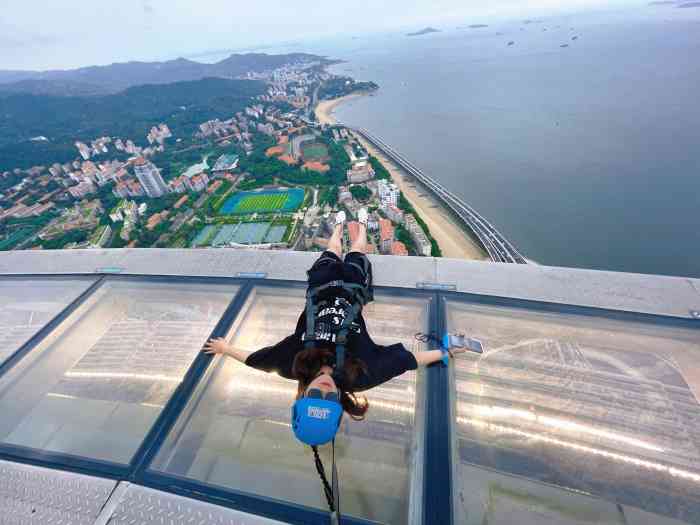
(340, 217)
(362, 216)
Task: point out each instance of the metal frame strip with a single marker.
(437, 488)
(167, 417)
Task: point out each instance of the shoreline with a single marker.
(325, 108)
(453, 240)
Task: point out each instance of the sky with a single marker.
(36, 34)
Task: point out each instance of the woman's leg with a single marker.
(335, 244)
(360, 244)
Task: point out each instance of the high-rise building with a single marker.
(149, 177)
(388, 193)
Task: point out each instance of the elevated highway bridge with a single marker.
(498, 248)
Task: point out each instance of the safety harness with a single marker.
(356, 296)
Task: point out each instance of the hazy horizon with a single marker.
(66, 36)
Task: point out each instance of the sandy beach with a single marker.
(454, 242)
(324, 109)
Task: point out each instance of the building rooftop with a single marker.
(583, 407)
(398, 248)
(386, 229)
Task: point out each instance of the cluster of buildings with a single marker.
(223, 129)
(184, 183)
(150, 183)
(99, 146)
(385, 196)
(340, 134)
(293, 83)
(127, 146)
(361, 171)
(96, 147)
(129, 213)
(82, 189)
(138, 177)
(158, 134)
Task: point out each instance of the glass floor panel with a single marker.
(96, 384)
(26, 305)
(596, 405)
(236, 431)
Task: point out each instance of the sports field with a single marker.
(314, 151)
(263, 201)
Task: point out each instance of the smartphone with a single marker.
(460, 341)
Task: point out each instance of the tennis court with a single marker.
(275, 234)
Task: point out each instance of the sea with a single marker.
(577, 135)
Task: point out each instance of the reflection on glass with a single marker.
(27, 305)
(236, 433)
(601, 406)
(95, 386)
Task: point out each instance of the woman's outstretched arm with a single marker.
(433, 356)
(218, 345)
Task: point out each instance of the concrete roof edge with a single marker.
(656, 294)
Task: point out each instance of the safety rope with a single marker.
(426, 338)
(322, 473)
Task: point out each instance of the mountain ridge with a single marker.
(116, 77)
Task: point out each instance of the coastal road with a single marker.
(496, 245)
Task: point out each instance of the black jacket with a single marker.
(383, 362)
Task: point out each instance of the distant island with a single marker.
(477, 26)
(425, 31)
(690, 4)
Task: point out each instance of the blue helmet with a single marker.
(315, 421)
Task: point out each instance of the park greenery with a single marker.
(329, 196)
(380, 172)
(129, 114)
(74, 236)
(360, 193)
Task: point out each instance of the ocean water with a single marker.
(583, 156)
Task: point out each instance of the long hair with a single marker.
(306, 366)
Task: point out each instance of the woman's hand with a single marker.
(217, 345)
(456, 351)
